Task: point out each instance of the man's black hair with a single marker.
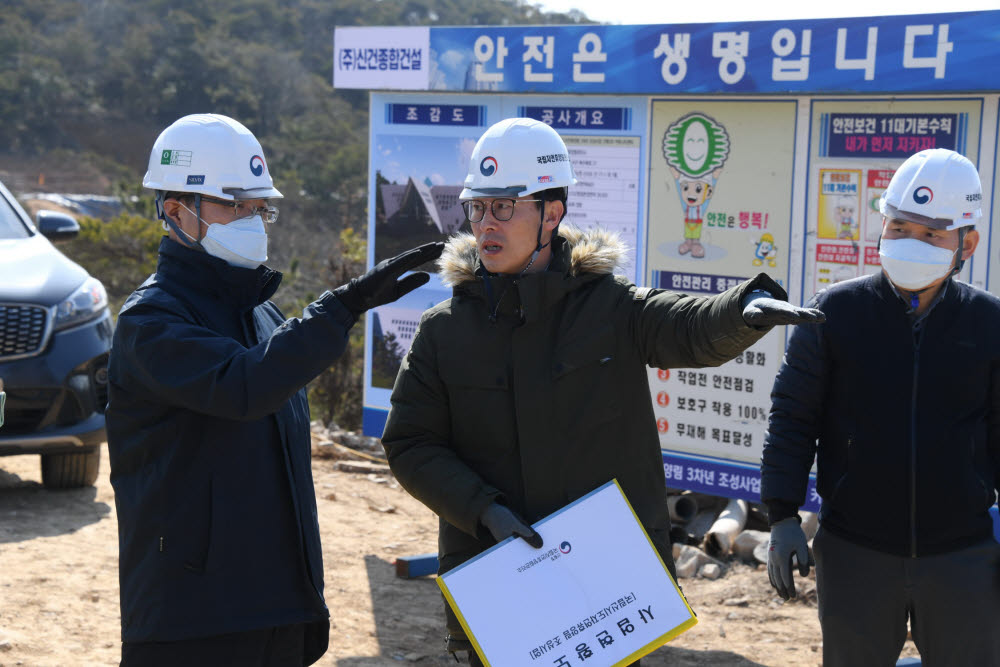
(553, 194)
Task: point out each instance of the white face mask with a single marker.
(912, 264)
(241, 243)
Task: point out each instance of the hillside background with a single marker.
(87, 85)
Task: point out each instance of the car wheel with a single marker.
(69, 471)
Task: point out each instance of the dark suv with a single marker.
(55, 334)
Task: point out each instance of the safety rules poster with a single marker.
(720, 200)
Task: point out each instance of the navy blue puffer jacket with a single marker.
(903, 418)
(208, 432)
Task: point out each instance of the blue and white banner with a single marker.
(435, 114)
(925, 52)
(890, 135)
(719, 477)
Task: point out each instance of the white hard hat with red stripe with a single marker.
(517, 157)
(938, 188)
(212, 155)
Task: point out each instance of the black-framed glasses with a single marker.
(243, 209)
(502, 209)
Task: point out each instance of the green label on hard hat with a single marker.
(176, 158)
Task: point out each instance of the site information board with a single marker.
(806, 122)
(419, 152)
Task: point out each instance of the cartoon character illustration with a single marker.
(694, 194)
(765, 251)
(695, 148)
(844, 212)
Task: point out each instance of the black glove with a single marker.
(381, 285)
(787, 540)
(502, 523)
(760, 309)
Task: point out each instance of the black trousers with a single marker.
(952, 602)
(286, 646)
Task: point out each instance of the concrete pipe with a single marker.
(682, 508)
(706, 501)
(810, 523)
(732, 520)
(700, 524)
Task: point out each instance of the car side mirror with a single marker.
(57, 226)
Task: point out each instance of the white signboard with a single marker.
(597, 592)
(390, 58)
(713, 167)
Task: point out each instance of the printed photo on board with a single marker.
(417, 182)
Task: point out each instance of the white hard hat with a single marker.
(517, 157)
(212, 155)
(938, 188)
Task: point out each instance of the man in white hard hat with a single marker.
(528, 389)
(208, 425)
(898, 399)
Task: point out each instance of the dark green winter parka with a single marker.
(534, 391)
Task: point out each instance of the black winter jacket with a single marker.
(208, 433)
(551, 400)
(904, 420)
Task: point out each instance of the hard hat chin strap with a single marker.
(962, 231)
(539, 246)
(185, 238)
(958, 262)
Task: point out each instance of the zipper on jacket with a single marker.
(913, 445)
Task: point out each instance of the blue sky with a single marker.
(399, 156)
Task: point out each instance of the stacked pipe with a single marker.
(707, 530)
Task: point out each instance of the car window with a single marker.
(11, 226)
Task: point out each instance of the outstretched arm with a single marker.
(679, 331)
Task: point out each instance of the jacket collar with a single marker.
(199, 272)
(578, 257)
(574, 252)
(888, 293)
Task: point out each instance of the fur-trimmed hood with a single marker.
(590, 251)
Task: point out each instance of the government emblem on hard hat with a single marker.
(488, 166)
(923, 195)
(257, 165)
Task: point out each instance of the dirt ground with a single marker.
(59, 583)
